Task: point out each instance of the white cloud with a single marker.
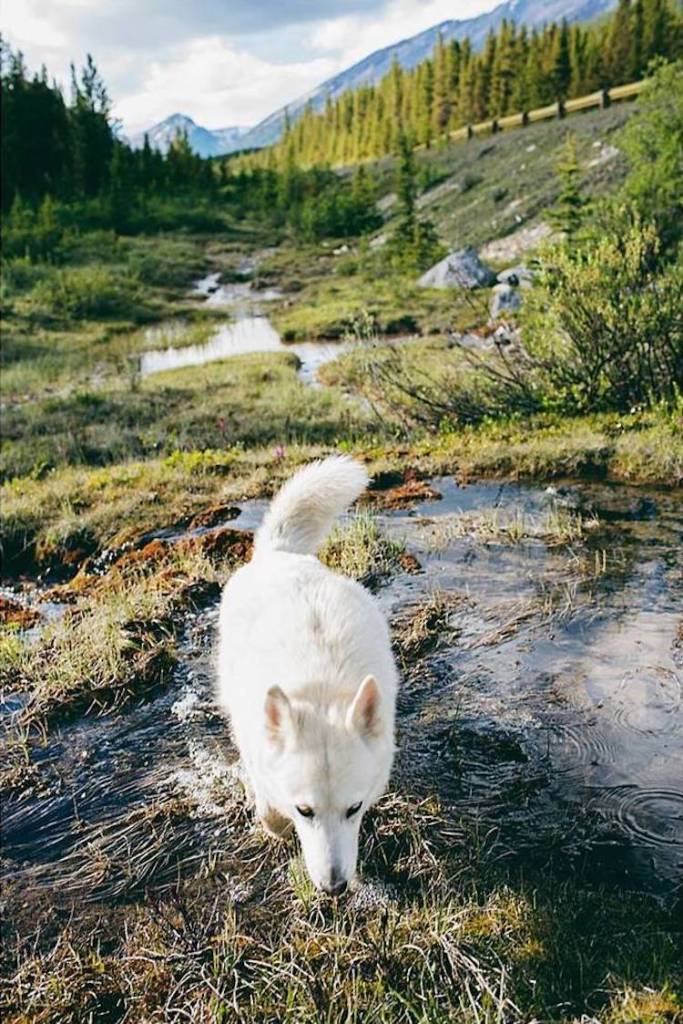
(218, 85)
(153, 64)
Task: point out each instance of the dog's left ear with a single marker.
(363, 715)
(278, 713)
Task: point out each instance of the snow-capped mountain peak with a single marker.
(204, 141)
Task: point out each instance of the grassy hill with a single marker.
(487, 188)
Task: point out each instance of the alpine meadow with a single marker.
(458, 264)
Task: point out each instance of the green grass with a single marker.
(359, 549)
(75, 511)
(247, 400)
(442, 936)
(394, 305)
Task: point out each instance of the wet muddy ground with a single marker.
(540, 645)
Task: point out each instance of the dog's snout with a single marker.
(336, 885)
(335, 888)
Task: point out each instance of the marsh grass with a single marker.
(419, 628)
(360, 549)
(555, 527)
(435, 932)
(247, 400)
(394, 305)
(114, 644)
(73, 512)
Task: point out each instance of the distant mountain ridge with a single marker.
(411, 51)
(204, 141)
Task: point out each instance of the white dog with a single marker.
(307, 675)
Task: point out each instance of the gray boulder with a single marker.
(505, 299)
(460, 269)
(518, 277)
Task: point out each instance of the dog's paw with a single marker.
(275, 824)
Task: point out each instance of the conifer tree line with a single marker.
(70, 152)
(63, 167)
(517, 70)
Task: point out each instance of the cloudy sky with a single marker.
(223, 62)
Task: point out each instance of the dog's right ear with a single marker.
(278, 713)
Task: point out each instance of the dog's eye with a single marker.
(304, 810)
(354, 809)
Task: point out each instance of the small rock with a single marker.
(506, 334)
(460, 269)
(519, 276)
(505, 299)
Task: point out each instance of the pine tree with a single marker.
(618, 44)
(637, 41)
(568, 213)
(657, 29)
(441, 99)
(562, 63)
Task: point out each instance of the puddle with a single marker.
(551, 711)
(249, 332)
(234, 293)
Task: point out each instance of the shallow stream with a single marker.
(549, 708)
(249, 331)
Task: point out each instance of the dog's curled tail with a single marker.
(303, 512)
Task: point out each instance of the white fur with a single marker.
(297, 645)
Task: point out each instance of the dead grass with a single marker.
(555, 527)
(418, 629)
(433, 934)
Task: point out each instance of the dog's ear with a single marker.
(363, 715)
(278, 713)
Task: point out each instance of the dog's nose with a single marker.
(335, 888)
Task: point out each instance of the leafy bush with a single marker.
(20, 275)
(653, 143)
(90, 291)
(338, 213)
(605, 331)
(167, 262)
(30, 233)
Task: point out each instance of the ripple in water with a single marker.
(583, 743)
(649, 700)
(651, 816)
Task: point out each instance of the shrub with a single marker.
(20, 275)
(90, 291)
(167, 262)
(605, 330)
(33, 234)
(653, 143)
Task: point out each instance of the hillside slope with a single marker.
(411, 51)
(489, 188)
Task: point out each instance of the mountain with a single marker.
(410, 52)
(204, 141)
